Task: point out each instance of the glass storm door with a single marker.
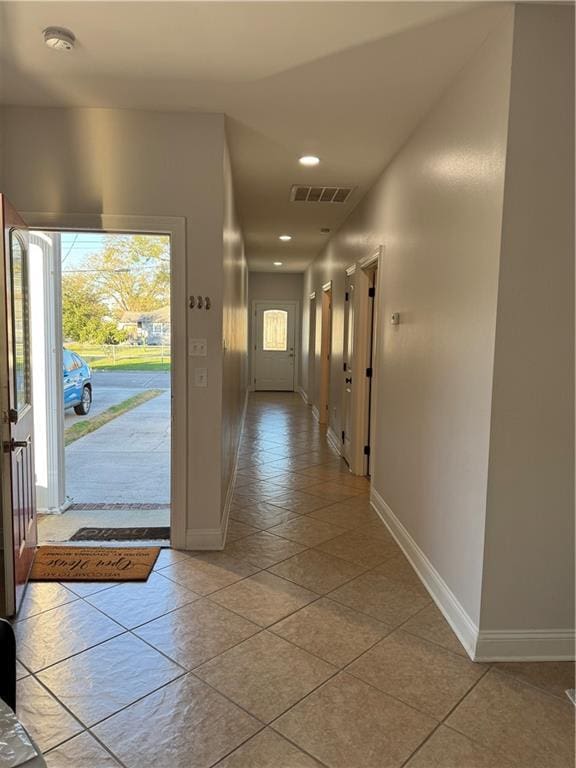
(274, 339)
(18, 480)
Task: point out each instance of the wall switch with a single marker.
(197, 347)
(200, 377)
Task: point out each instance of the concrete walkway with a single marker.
(126, 460)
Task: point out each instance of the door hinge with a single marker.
(346, 296)
(369, 372)
(366, 450)
(343, 435)
(371, 292)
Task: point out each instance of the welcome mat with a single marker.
(93, 563)
(121, 534)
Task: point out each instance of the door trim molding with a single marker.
(360, 402)
(254, 335)
(175, 227)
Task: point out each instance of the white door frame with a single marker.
(46, 326)
(348, 403)
(254, 337)
(361, 410)
(311, 363)
(325, 355)
(175, 227)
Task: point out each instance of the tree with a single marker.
(85, 315)
(132, 274)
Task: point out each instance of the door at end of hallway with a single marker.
(274, 345)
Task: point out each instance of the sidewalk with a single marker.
(126, 460)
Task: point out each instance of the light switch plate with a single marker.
(197, 347)
(200, 377)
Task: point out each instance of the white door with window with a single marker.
(274, 351)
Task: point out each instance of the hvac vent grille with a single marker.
(301, 194)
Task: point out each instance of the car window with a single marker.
(78, 362)
(68, 360)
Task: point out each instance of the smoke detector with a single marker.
(59, 39)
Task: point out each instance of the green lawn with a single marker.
(123, 357)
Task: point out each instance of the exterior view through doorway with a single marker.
(101, 372)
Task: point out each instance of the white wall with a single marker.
(529, 554)
(126, 162)
(235, 332)
(276, 286)
(474, 453)
(437, 210)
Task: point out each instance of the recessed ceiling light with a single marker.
(277, 263)
(59, 39)
(309, 160)
(285, 238)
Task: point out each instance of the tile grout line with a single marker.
(443, 721)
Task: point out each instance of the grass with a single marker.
(123, 357)
(82, 428)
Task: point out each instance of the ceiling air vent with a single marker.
(300, 194)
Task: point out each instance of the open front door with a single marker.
(17, 474)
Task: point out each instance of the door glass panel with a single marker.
(20, 318)
(275, 330)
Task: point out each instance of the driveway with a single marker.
(110, 388)
(128, 459)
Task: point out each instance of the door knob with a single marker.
(12, 445)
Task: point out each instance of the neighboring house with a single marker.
(152, 328)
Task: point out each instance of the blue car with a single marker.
(77, 383)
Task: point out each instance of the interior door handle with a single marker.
(349, 381)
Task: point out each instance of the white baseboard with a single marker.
(463, 626)
(302, 394)
(506, 645)
(526, 645)
(333, 441)
(316, 413)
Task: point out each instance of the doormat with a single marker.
(121, 534)
(93, 563)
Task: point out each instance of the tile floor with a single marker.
(308, 642)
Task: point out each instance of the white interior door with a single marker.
(274, 345)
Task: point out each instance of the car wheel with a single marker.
(83, 408)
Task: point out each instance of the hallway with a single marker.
(308, 642)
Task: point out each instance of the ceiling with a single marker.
(347, 81)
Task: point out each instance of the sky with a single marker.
(77, 246)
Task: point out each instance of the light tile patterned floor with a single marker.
(309, 642)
